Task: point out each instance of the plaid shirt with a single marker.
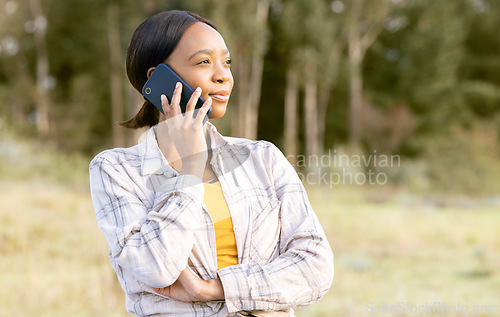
(156, 224)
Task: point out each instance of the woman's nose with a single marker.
(222, 74)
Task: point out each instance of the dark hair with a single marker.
(152, 43)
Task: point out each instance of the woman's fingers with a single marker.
(165, 104)
(202, 112)
(175, 108)
(192, 115)
(193, 100)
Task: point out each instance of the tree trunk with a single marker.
(323, 100)
(311, 117)
(358, 42)
(20, 104)
(291, 126)
(251, 119)
(42, 68)
(115, 74)
(356, 103)
(257, 69)
(244, 123)
(355, 74)
(149, 7)
(243, 103)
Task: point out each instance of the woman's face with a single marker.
(202, 59)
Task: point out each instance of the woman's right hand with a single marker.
(186, 132)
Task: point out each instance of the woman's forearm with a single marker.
(213, 290)
(191, 288)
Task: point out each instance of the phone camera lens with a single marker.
(148, 90)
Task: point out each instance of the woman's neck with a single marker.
(169, 151)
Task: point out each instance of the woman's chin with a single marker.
(218, 111)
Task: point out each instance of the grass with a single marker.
(54, 258)
(392, 255)
(407, 254)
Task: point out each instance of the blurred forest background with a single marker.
(418, 79)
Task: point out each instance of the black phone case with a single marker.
(162, 82)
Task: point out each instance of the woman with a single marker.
(199, 224)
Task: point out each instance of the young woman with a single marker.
(199, 224)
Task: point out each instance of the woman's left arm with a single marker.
(303, 272)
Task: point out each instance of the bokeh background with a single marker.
(404, 91)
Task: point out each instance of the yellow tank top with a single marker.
(227, 253)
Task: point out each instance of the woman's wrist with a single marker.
(213, 290)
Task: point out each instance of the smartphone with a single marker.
(162, 82)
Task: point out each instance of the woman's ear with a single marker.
(150, 71)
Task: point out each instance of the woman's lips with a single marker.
(222, 96)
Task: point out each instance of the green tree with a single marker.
(365, 21)
(313, 52)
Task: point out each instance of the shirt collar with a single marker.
(153, 161)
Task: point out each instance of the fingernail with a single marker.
(163, 97)
(198, 89)
(177, 85)
(209, 100)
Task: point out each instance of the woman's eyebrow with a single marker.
(205, 51)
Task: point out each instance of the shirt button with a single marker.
(270, 306)
(238, 305)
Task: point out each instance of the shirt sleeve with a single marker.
(302, 273)
(153, 245)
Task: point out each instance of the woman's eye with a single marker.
(228, 62)
(205, 61)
